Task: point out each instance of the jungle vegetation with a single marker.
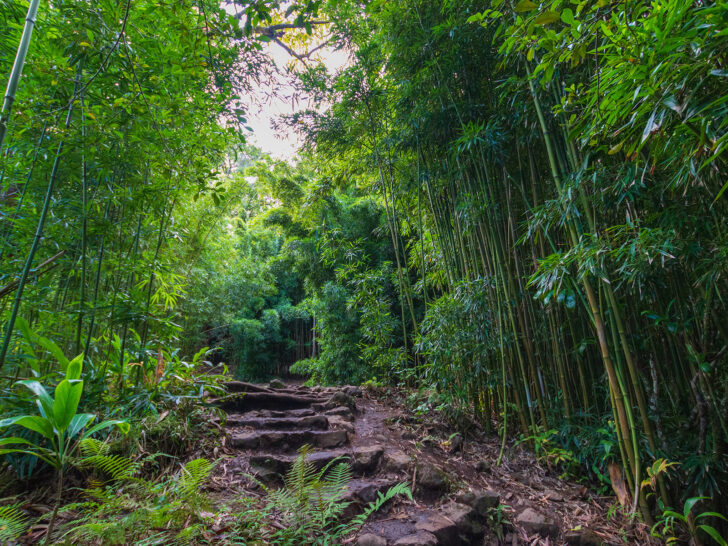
(516, 207)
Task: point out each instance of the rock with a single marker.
(421, 538)
(338, 422)
(535, 523)
(456, 442)
(310, 422)
(483, 466)
(340, 398)
(554, 495)
(340, 411)
(277, 384)
(482, 501)
(583, 537)
(366, 459)
(288, 439)
(445, 530)
(430, 477)
(370, 539)
(464, 517)
(352, 391)
(397, 461)
(367, 490)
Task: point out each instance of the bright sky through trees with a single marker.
(269, 102)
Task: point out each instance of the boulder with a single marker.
(535, 523)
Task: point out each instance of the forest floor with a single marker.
(461, 496)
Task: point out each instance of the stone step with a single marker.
(245, 402)
(286, 440)
(452, 524)
(307, 422)
(363, 460)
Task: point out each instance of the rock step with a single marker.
(309, 422)
(453, 524)
(266, 400)
(286, 440)
(363, 460)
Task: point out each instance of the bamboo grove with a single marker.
(551, 176)
(516, 206)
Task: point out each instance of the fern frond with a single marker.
(337, 481)
(114, 466)
(91, 447)
(193, 475)
(382, 498)
(12, 522)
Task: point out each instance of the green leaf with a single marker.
(39, 452)
(123, 426)
(75, 366)
(547, 17)
(714, 534)
(67, 396)
(44, 401)
(11, 440)
(567, 16)
(50, 346)
(688, 506)
(41, 425)
(525, 5)
(711, 515)
(79, 422)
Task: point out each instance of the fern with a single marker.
(115, 466)
(193, 476)
(312, 502)
(382, 498)
(12, 522)
(90, 447)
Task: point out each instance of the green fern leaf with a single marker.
(193, 476)
(12, 522)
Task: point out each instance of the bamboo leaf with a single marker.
(547, 17)
(525, 5)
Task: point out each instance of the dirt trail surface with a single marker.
(460, 495)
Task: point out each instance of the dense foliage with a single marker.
(518, 206)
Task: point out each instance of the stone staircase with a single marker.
(267, 425)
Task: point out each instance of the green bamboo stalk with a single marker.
(15, 74)
(38, 234)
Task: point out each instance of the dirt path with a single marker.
(461, 496)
